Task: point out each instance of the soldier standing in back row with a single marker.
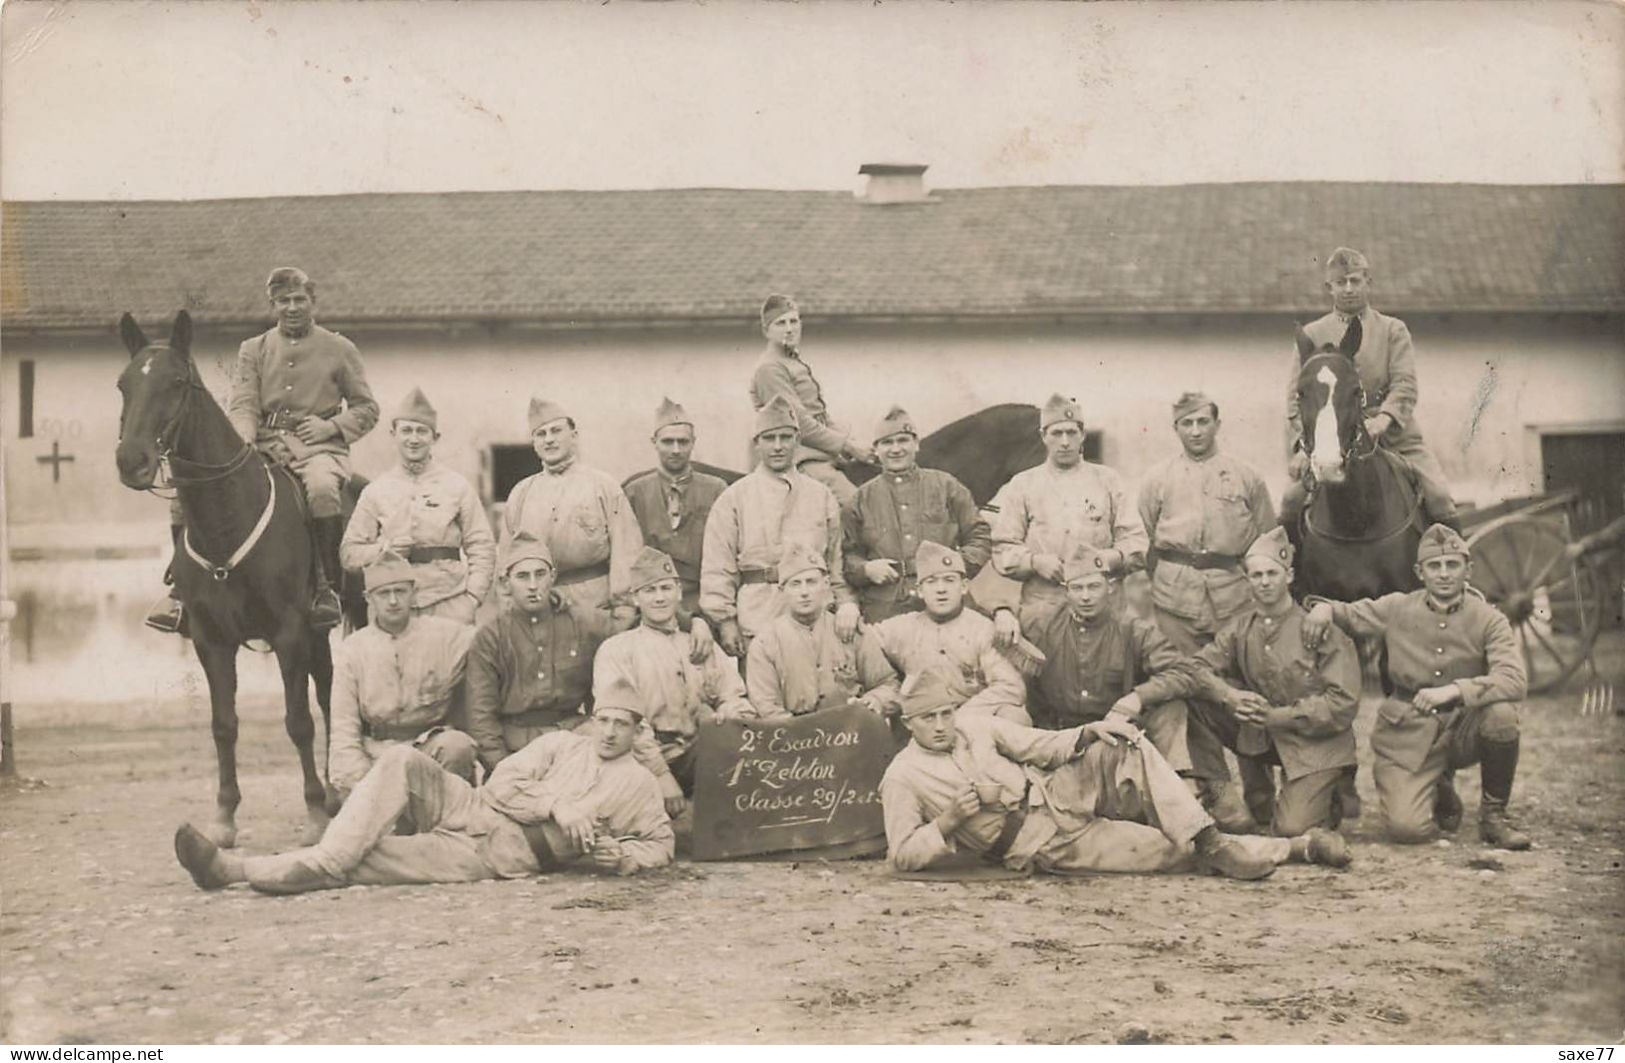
(891, 515)
(673, 500)
(428, 515)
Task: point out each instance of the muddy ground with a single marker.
(103, 938)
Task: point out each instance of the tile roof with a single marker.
(707, 254)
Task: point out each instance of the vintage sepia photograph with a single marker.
(786, 522)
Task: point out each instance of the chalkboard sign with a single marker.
(791, 785)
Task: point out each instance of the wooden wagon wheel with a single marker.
(1554, 602)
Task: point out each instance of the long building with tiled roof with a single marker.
(593, 259)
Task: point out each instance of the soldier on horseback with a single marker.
(1387, 368)
(300, 395)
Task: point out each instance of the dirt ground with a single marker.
(103, 938)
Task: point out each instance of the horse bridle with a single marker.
(168, 460)
(1363, 445)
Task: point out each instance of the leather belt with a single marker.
(388, 732)
(422, 555)
(759, 575)
(287, 420)
(582, 574)
(1406, 695)
(1202, 560)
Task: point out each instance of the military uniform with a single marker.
(891, 515)
(749, 527)
(452, 553)
(1064, 805)
(1386, 364)
(1313, 694)
(402, 688)
(584, 518)
(1200, 515)
(280, 380)
(1090, 664)
(794, 668)
(959, 646)
(1049, 510)
(504, 829)
(1471, 644)
(782, 374)
(674, 694)
(672, 511)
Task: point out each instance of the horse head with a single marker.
(1331, 403)
(154, 387)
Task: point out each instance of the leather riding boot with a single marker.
(166, 614)
(1447, 804)
(1497, 766)
(325, 610)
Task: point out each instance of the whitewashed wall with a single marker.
(1487, 385)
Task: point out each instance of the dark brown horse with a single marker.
(245, 566)
(982, 450)
(1362, 521)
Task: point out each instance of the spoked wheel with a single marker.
(1554, 602)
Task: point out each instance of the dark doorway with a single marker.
(510, 463)
(1594, 464)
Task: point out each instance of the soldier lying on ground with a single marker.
(566, 798)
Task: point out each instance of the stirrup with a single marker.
(325, 611)
(167, 615)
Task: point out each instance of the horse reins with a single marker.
(168, 461)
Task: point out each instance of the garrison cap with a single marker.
(1190, 402)
(544, 411)
(929, 691)
(1272, 545)
(415, 407)
(618, 694)
(1060, 408)
(933, 559)
(896, 421)
(651, 566)
(776, 307)
(1085, 561)
(1345, 260)
(1439, 541)
(526, 547)
(776, 414)
(287, 279)
(389, 568)
(671, 413)
(797, 559)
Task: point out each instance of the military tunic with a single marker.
(780, 374)
(1313, 695)
(1046, 510)
(584, 518)
(281, 379)
(1090, 664)
(432, 508)
(1201, 515)
(962, 648)
(528, 675)
(392, 689)
(676, 694)
(890, 516)
(1083, 813)
(748, 529)
(795, 668)
(672, 513)
(464, 834)
(1471, 644)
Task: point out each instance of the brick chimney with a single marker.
(891, 182)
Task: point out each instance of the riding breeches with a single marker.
(831, 477)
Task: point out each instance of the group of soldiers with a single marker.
(1060, 732)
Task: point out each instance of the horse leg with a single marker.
(321, 670)
(220, 667)
(292, 654)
